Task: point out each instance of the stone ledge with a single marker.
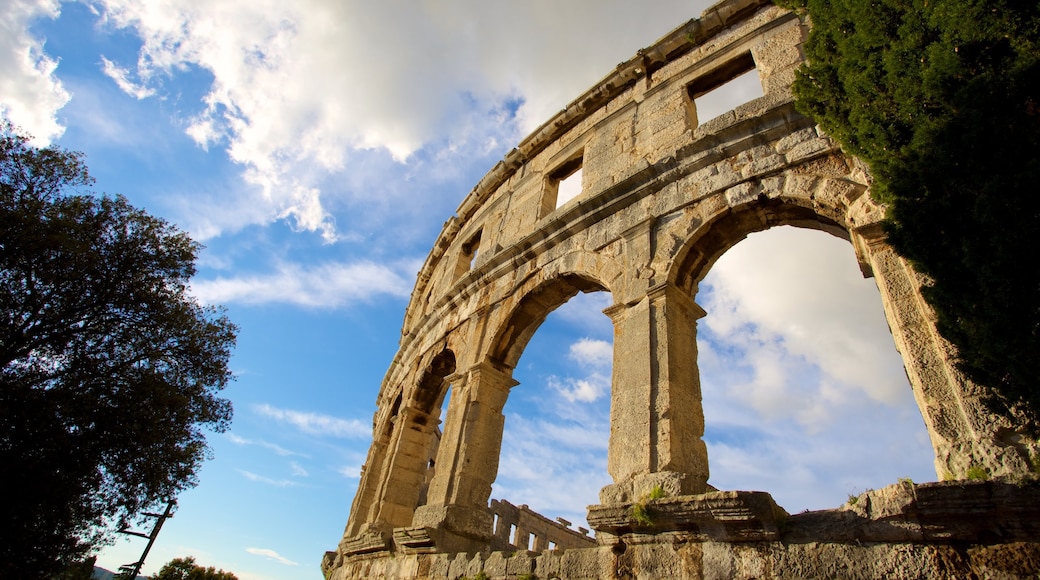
(725, 516)
(365, 544)
(987, 512)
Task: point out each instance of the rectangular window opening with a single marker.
(512, 534)
(568, 188)
(563, 184)
(531, 538)
(468, 255)
(723, 89)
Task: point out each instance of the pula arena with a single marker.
(664, 194)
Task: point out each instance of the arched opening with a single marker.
(557, 426)
(804, 394)
(558, 346)
(432, 398)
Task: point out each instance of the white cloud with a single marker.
(591, 352)
(297, 469)
(804, 394)
(329, 285)
(798, 293)
(271, 555)
(296, 89)
(585, 390)
(30, 95)
(316, 423)
(269, 481)
(554, 465)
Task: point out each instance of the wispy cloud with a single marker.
(297, 469)
(271, 555)
(121, 76)
(277, 449)
(350, 471)
(269, 481)
(317, 423)
(331, 285)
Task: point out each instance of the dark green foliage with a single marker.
(108, 368)
(187, 569)
(79, 571)
(942, 99)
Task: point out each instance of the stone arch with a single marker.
(531, 310)
(711, 240)
(431, 386)
(459, 493)
(395, 483)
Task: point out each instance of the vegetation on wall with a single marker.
(942, 100)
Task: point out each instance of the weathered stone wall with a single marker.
(523, 529)
(664, 194)
(904, 531)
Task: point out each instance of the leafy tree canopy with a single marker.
(187, 569)
(942, 100)
(109, 369)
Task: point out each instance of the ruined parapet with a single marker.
(664, 193)
(525, 529)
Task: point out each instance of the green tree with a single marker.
(942, 100)
(187, 569)
(109, 368)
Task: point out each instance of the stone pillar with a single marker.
(367, 486)
(467, 463)
(409, 451)
(656, 418)
(963, 432)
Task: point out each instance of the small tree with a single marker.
(187, 569)
(108, 367)
(942, 100)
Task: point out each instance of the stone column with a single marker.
(963, 432)
(467, 463)
(656, 418)
(367, 486)
(402, 481)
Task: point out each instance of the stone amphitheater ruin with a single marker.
(663, 195)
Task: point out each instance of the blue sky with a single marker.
(316, 148)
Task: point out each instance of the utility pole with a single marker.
(130, 571)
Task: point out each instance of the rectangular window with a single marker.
(723, 89)
(468, 255)
(562, 185)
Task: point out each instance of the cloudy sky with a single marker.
(316, 147)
